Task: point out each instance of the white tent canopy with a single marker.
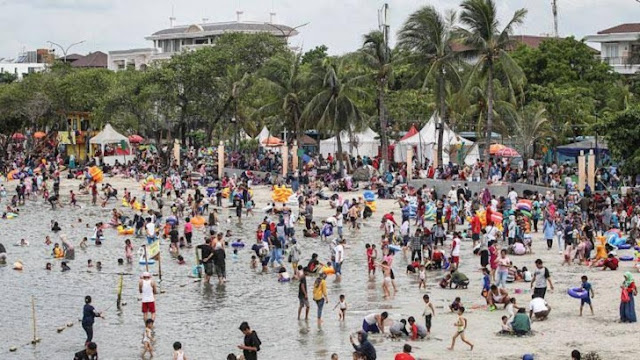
(264, 133)
(109, 136)
(425, 143)
(364, 143)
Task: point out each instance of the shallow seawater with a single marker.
(205, 318)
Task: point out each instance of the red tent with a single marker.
(410, 133)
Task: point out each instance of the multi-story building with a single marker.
(620, 47)
(176, 39)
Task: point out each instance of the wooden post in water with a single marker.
(159, 267)
(119, 301)
(198, 264)
(33, 315)
(146, 260)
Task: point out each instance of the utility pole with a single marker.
(554, 9)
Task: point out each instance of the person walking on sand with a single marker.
(461, 326)
(586, 286)
(541, 277)
(627, 305)
(147, 287)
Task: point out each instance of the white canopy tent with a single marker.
(264, 133)
(425, 143)
(109, 136)
(364, 143)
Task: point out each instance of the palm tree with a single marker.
(285, 80)
(235, 83)
(377, 56)
(488, 44)
(529, 125)
(334, 106)
(428, 36)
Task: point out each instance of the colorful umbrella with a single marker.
(39, 135)
(495, 148)
(18, 136)
(136, 139)
(507, 152)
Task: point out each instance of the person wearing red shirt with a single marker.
(476, 228)
(405, 354)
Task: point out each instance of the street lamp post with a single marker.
(65, 50)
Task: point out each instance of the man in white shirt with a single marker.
(151, 230)
(539, 308)
(513, 196)
(455, 251)
(405, 232)
(453, 194)
(339, 222)
(339, 254)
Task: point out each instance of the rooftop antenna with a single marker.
(554, 9)
(172, 19)
(272, 14)
(239, 12)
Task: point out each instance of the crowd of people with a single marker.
(589, 228)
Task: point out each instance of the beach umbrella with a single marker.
(507, 152)
(495, 148)
(39, 135)
(18, 136)
(136, 139)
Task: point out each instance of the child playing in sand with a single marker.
(254, 262)
(428, 313)
(461, 326)
(455, 305)
(586, 286)
(147, 338)
(506, 328)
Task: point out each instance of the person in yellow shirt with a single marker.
(57, 251)
(320, 294)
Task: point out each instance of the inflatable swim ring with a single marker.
(328, 270)
(197, 221)
(624, 246)
(626, 258)
(237, 244)
(578, 293)
(284, 279)
(395, 247)
(125, 231)
(11, 215)
(93, 238)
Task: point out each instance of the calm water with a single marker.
(204, 318)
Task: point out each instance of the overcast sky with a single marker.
(339, 24)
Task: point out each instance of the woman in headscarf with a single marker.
(627, 306)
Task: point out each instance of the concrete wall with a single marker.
(442, 187)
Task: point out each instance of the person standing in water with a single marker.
(148, 289)
(89, 313)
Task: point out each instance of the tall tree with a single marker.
(428, 35)
(377, 56)
(284, 79)
(334, 106)
(530, 124)
(488, 45)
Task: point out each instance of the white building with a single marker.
(21, 69)
(176, 39)
(616, 46)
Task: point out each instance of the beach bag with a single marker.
(624, 296)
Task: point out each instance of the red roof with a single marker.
(623, 28)
(96, 59)
(410, 133)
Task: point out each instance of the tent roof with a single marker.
(308, 140)
(429, 135)
(366, 135)
(264, 133)
(412, 131)
(108, 136)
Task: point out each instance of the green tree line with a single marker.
(462, 64)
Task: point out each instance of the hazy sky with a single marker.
(339, 24)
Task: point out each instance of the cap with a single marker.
(406, 348)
